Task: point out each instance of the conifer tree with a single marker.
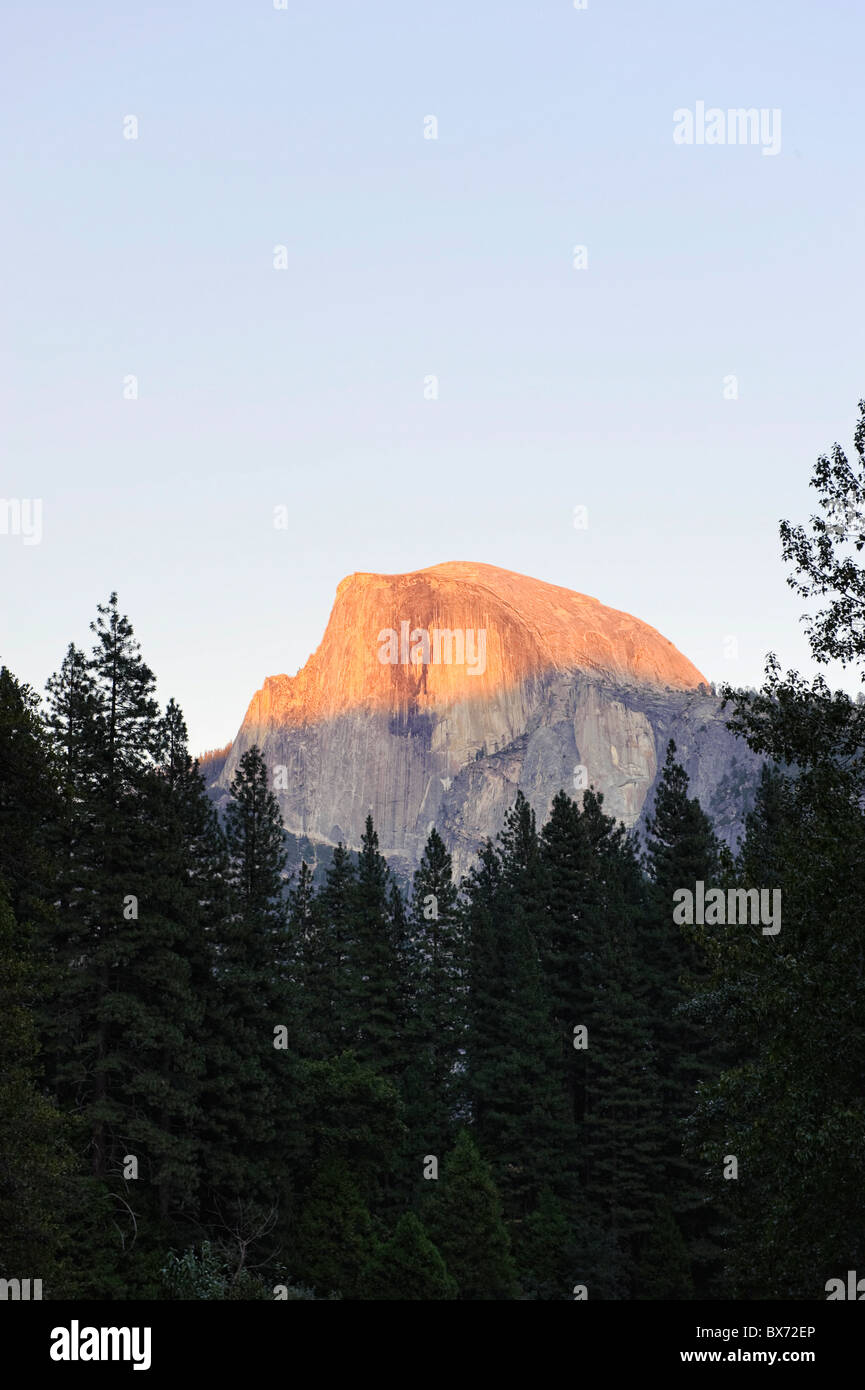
(464, 1218)
(104, 717)
(29, 805)
(334, 1240)
(373, 964)
(595, 979)
(303, 930)
(437, 969)
(327, 946)
(181, 907)
(682, 850)
(408, 1266)
(545, 1252)
(37, 1163)
(665, 1266)
(512, 1081)
(254, 1045)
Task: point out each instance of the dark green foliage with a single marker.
(665, 1268)
(408, 1266)
(207, 1275)
(824, 556)
(158, 956)
(681, 851)
(29, 804)
(126, 951)
(351, 1112)
(250, 1095)
(373, 1015)
(545, 1254)
(326, 943)
(596, 981)
(790, 1108)
(464, 1218)
(511, 1074)
(334, 1238)
(436, 969)
(36, 1159)
(790, 1104)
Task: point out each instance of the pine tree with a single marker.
(594, 977)
(681, 851)
(334, 1240)
(327, 945)
(181, 901)
(139, 869)
(545, 1254)
(36, 1158)
(408, 1266)
(437, 970)
(303, 930)
(567, 855)
(29, 803)
(349, 1111)
(253, 1062)
(512, 1080)
(104, 717)
(792, 1002)
(665, 1268)
(373, 965)
(464, 1219)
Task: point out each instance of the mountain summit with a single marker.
(435, 695)
(529, 628)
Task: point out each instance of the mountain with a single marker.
(435, 695)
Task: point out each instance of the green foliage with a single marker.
(36, 1160)
(408, 1266)
(374, 1012)
(464, 1218)
(148, 955)
(436, 969)
(545, 1255)
(334, 1239)
(665, 1266)
(207, 1275)
(29, 804)
(511, 1082)
(824, 555)
(682, 850)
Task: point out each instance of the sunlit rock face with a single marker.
(434, 696)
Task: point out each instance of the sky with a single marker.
(322, 257)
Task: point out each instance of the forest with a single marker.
(222, 1081)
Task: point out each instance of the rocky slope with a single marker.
(435, 695)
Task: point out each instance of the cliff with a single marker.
(435, 695)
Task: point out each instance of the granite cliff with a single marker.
(434, 696)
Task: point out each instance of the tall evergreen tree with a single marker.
(181, 904)
(303, 936)
(408, 1266)
(682, 850)
(327, 945)
(253, 1051)
(37, 1163)
(464, 1219)
(29, 805)
(594, 975)
(512, 1081)
(437, 968)
(334, 1241)
(374, 967)
(104, 717)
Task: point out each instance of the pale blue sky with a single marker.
(408, 257)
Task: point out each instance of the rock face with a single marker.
(434, 696)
